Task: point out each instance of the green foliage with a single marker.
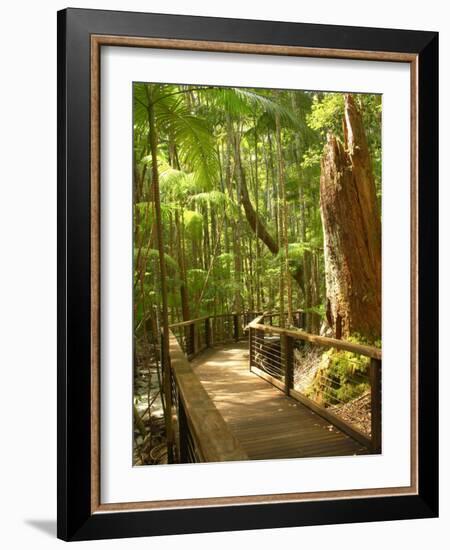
(239, 103)
(174, 117)
(311, 157)
(211, 250)
(215, 199)
(318, 310)
(193, 222)
(326, 113)
(151, 255)
(196, 279)
(176, 185)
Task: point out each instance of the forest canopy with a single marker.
(239, 173)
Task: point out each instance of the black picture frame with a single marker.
(75, 519)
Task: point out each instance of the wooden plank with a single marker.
(268, 378)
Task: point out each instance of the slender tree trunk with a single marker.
(234, 138)
(352, 232)
(306, 271)
(206, 240)
(274, 185)
(184, 292)
(163, 282)
(257, 261)
(250, 276)
(284, 217)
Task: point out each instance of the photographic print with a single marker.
(247, 266)
(257, 274)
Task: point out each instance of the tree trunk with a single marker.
(284, 222)
(252, 216)
(257, 254)
(162, 267)
(352, 232)
(184, 292)
(254, 220)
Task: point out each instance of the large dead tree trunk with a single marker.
(352, 232)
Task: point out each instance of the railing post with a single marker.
(251, 347)
(167, 379)
(236, 326)
(288, 360)
(183, 434)
(303, 320)
(207, 333)
(375, 395)
(187, 345)
(298, 319)
(192, 345)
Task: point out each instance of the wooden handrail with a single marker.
(211, 433)
(361, 349)
(220, 315)
(199, 319)
(257, 320)
(189, 322)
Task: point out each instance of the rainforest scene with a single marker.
(257, 273)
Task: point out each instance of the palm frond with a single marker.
(193, 137)
(237, 102)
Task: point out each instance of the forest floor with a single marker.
(356, 412)
(149, 448)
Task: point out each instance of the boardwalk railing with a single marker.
(344, 388)
(196, 335)
(201, 434)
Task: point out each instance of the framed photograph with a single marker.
(247, 255)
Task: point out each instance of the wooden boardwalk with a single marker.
(267, 423)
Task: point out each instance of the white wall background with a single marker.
(28, 270)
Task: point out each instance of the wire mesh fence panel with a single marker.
(268, 355)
